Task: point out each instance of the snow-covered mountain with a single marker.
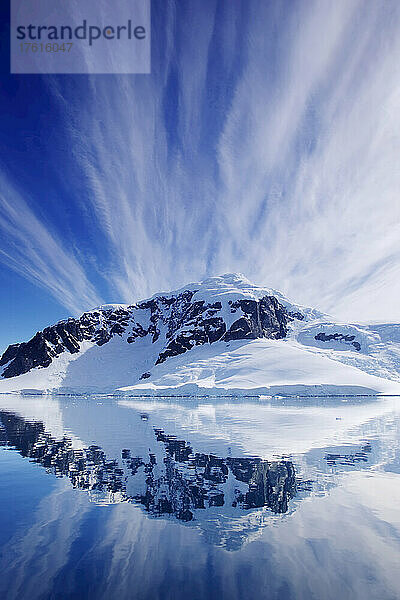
(223, 336)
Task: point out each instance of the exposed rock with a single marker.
(260, 318)
(9, 354)
(98, 326)
(296, 315)
(145, 376)
(338, 337)
(177, 323)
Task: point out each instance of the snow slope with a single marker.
(259, 367)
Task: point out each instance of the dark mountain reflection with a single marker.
(196, 481)
(349, 459)
(176, 482)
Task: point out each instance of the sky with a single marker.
(266, 141)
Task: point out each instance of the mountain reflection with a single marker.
(192, 481)
(177, 482)
(349, 459)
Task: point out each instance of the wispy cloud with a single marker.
(265, 141)
(28, 246)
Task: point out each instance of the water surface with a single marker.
(198, 498)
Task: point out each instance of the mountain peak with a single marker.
(236, 285)
(229, 279)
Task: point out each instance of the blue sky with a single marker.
(265, 141)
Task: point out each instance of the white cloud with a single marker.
(265, 141)
(28, 247)
(329, 142)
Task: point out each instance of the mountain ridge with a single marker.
(197, 305)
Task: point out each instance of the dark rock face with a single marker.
(338, 337)
(97, 326)
(177, 323)
(261, 318)
(9, 354)
(296, 315)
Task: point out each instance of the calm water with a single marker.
(199, 499)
